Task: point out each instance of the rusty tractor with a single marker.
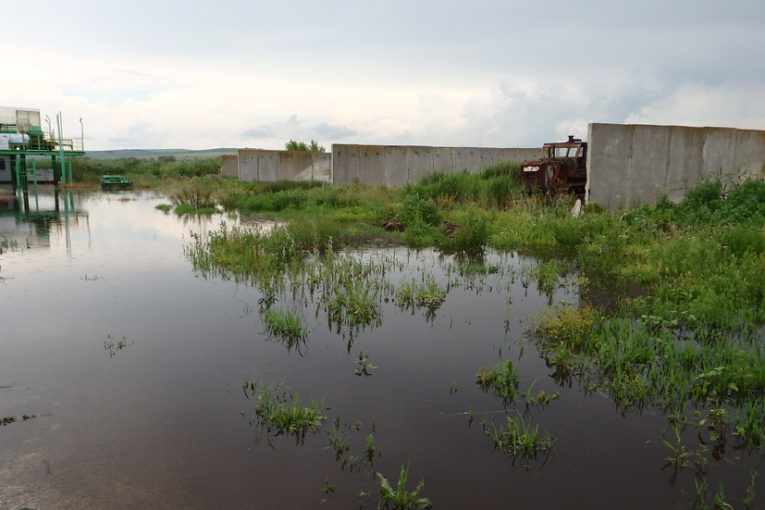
(562, 169)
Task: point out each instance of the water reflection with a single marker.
(27, 218)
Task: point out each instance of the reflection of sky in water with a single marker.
(157, 423)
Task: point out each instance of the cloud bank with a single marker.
(255, 74)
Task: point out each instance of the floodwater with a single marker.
(131, 367)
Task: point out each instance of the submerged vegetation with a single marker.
(688, 339)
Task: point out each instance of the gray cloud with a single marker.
(333, 132)
(600, 60)
(261, 132)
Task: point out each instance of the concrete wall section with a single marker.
(262, 165)
(248, 165)
(229, 165)
(397, 165)
(629, 165)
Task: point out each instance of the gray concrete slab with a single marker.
(629, 165)
(229, 165)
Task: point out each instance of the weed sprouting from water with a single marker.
(399, 498)
(428, 295)
(286, 326)
(364, 365)
(502, 379)
(353, 304)
(750, 492)
(370, 448)
(680, 456)
(548, 276)
(337, 439)
(519, 438)
(541, 396)
(113, 346)
(719, 500)
(702, 491)
(280, 412)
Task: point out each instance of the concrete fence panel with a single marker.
(229, 165)
(372, 161)
(419, 161)
(443, 160)
(263, 165)
(629, 165)
(248, 165)
(397, 165)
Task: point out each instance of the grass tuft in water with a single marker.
(502, 379)
(280, 412)
(518, 438)
(286, 326)
(428, 294)
(399, 498)
(354, 304)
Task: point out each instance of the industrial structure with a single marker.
(23, 142)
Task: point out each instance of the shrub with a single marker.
(419, 210)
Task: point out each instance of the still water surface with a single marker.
(132, 365)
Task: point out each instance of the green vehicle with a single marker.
(115, 182)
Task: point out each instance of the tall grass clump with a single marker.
(471, 233)
(194, 195)
(316, 234)
(244, 254)
(416, 209)
(495, 186)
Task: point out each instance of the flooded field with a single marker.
(136, 381)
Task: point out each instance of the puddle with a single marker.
(133, 364)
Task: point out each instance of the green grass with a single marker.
(399, 498)
(287, 327)
(519, 438)
(142, 172)
(428, 294)
(502, 379)
(280, 412)
(353, 304)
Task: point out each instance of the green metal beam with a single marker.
(61, 147)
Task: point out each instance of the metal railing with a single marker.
(48, 145)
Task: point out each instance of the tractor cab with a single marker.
(561, 170)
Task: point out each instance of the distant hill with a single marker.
(156, 153)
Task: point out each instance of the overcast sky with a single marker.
(225, 73)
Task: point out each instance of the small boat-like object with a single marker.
(109, 182)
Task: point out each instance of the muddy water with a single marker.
(132, 366)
